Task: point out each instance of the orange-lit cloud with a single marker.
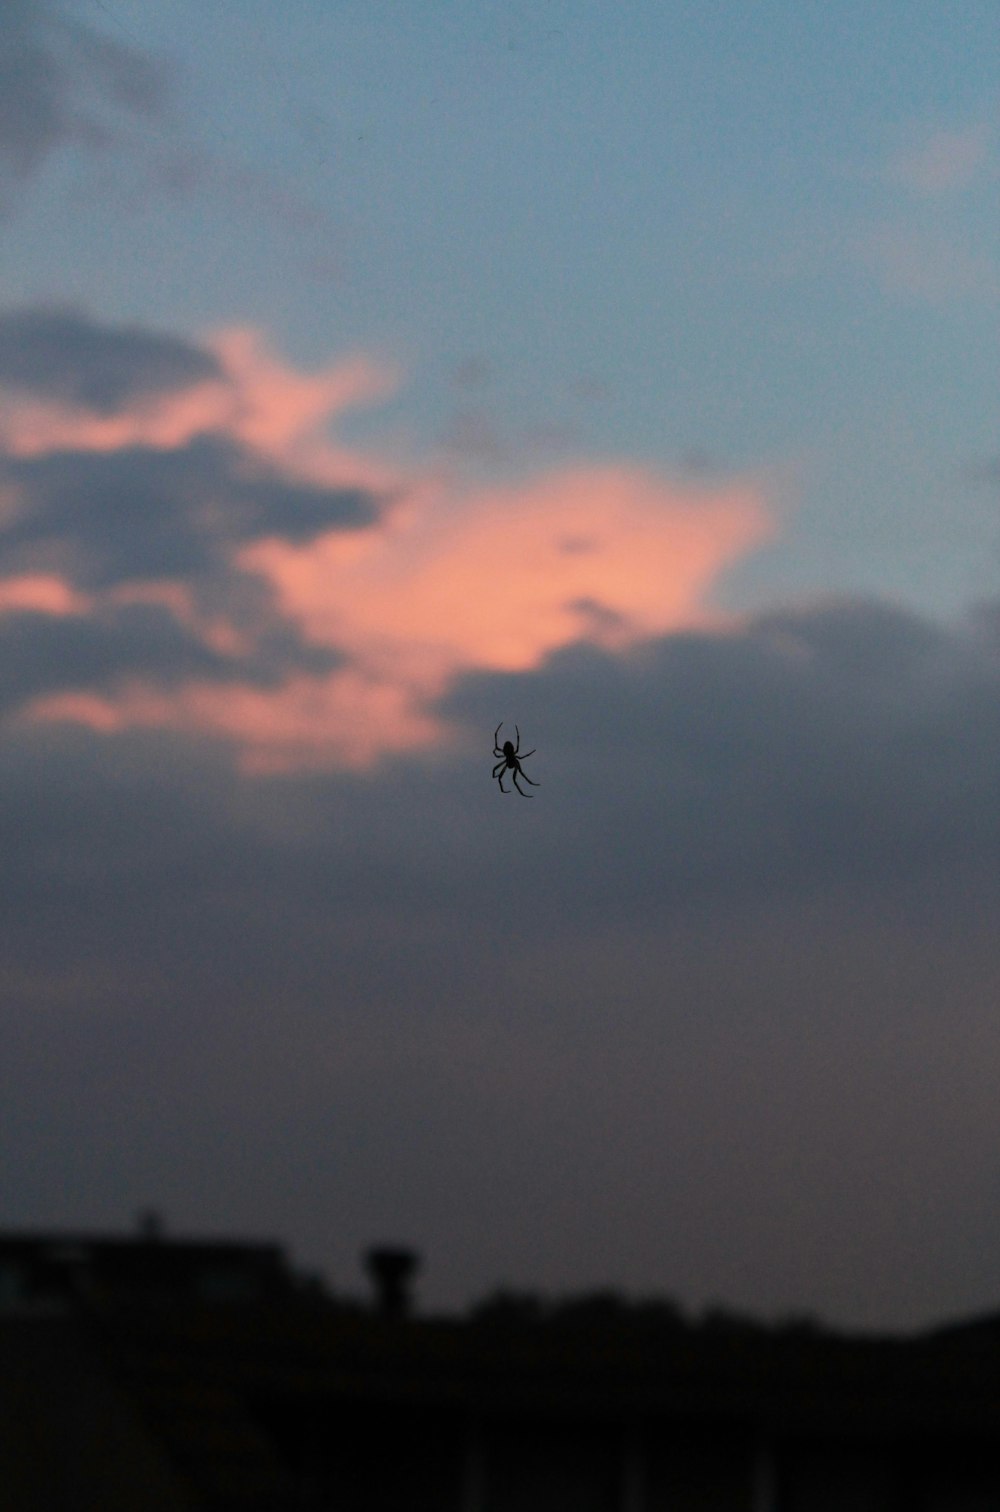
(500, 578)
(450, 579)
(42, 593)
(45, 593)
(308, 723)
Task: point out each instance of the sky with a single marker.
(372, 375)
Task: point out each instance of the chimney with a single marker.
(391, 1269)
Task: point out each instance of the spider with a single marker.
(512, 759)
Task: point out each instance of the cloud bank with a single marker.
(714, 1014)
(202, 478)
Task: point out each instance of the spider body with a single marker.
(510, 760)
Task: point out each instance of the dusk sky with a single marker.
(371, 373)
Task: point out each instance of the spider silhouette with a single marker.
(511, 759)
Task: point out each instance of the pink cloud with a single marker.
(42, 593)
(260, 401)
(490, 579)
(451, 579)
(47, 593)
(308, 723)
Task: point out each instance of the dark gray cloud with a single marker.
(60, 353)
(150, 512)
(714, 1014)
(854, 742)
(100, 519)
(61, 82)
(854, 747)
(44, 654)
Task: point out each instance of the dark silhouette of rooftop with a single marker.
(218, 1379)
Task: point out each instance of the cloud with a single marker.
(202, 478)
(160, 513)
(846, 743)
(185, 547)
(245, 394)
(62, 82)
(440, 585)
(205, 561)
(503, 577)
(846, 748)
(59, 353)
(726, 989)
(46, 652)
(133, 468)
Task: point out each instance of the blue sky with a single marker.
(718, 224)
(370, 373)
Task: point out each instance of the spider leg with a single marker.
(527, 779)
(528, 753)
(498, 729)
(520, 789)
(518, 734)
(500, 780)
(499, 767)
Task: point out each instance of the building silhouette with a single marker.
(201, 1376)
